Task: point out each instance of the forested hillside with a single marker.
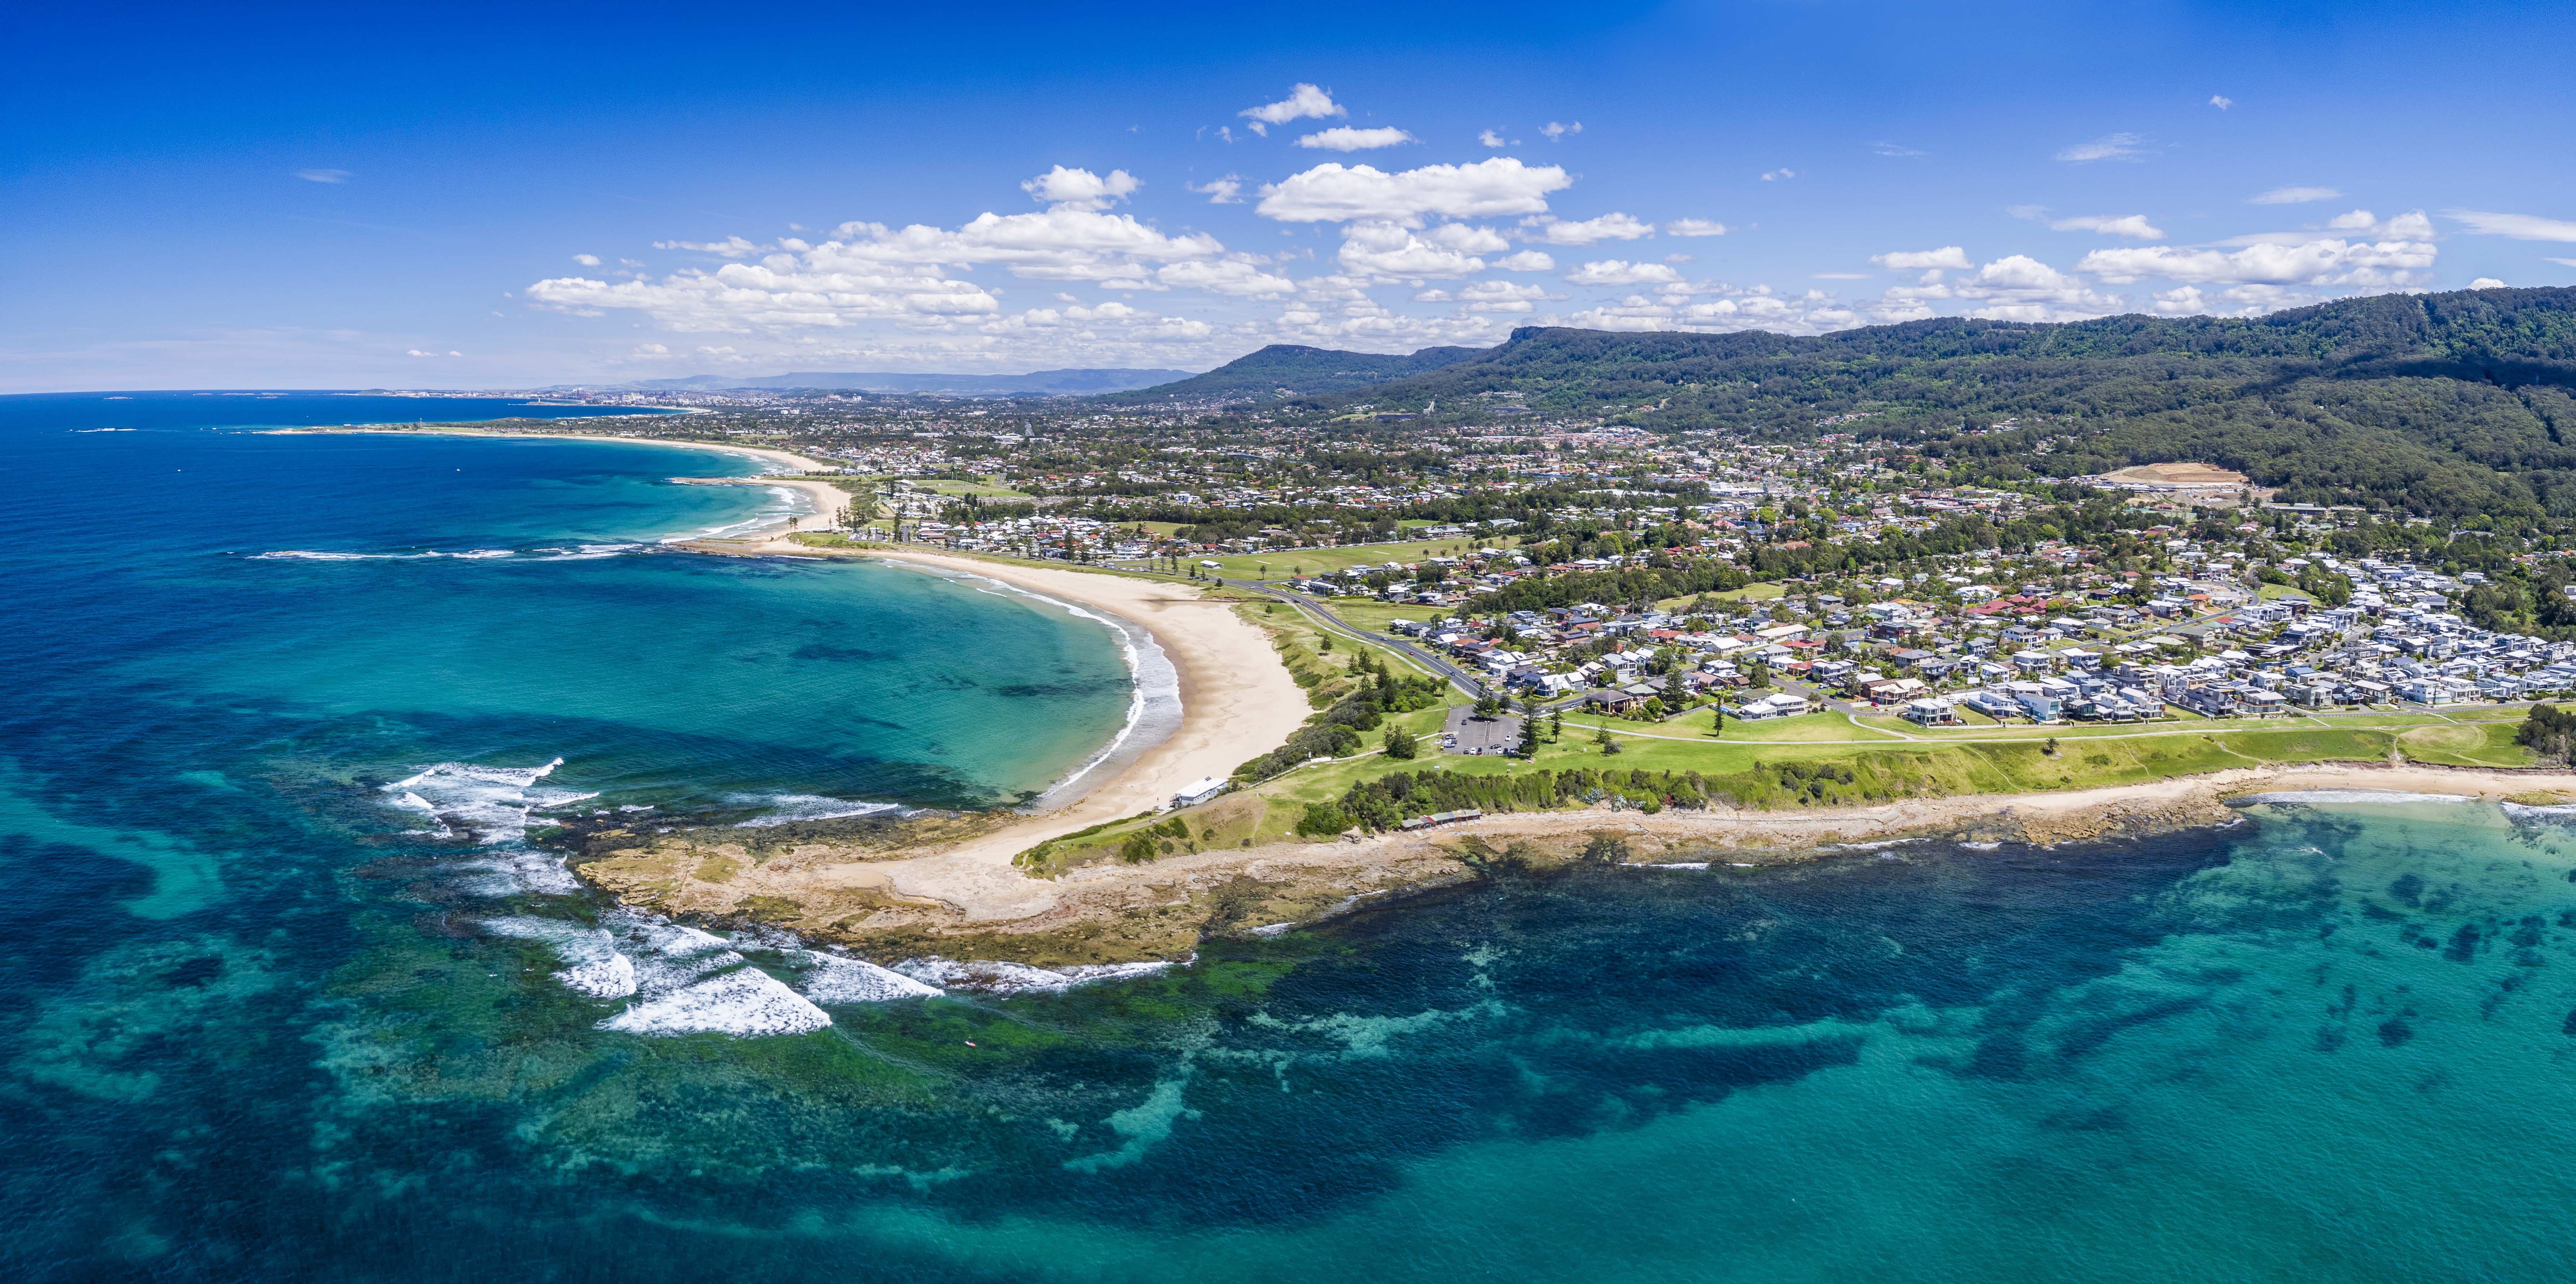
(2450, 403)
(1262, 375)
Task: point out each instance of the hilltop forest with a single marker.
(2451, 404)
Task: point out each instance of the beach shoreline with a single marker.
(1237, 702)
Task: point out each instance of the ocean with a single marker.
(287, 991)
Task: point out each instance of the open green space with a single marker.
(1315, 561)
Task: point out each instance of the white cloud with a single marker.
(2107, 147)
(2025, 211)
(2521, 227)
(2318, 262)
(586, 260)
(2221, 101)
(1621, 272)
(2561, 262)
(1237, 276)
(2486, 283)
(1057, 245)
(1497, 293)
(1695, 227)
(1609, 227)
(1489, 138)
(1778, 174)
(323, 175)
(1080, 189)
(1304, 102)
(732, 247)
(1884, 148)
(2294, 196)
(1556, 133)
(1219, 191)
(1948, 256)
(2132, 226)
(1343, 138)
(1527, 261)
(1332, 192)
(2017, 287)
(1376, 249)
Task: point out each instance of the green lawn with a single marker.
(2485, 744)
(1375, 616)
(2275, 592)
(1312, 561)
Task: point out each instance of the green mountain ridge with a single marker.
(1260, 375)
(2444, 403)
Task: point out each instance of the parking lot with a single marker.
(1468, 734)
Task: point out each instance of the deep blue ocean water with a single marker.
(253, 1029)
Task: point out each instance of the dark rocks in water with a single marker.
(2395, 1031)
(2408, 889)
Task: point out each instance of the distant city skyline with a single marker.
(272, 200)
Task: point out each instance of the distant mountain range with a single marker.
(1286, 369)
(1042, 383)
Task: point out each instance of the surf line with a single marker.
(1154, 700)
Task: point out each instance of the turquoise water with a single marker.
(255, 1030)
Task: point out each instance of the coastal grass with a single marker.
(2487, 744)
(1789, 774)
(1374, 616)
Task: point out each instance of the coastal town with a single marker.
(1583, 564)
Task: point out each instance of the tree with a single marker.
(1654, 708)
(1717, 722)
(1400, 743)
(1488, 706)
(2050, 748)
(1529, 737)
(1138, 849)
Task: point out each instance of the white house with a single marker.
(1198, 791)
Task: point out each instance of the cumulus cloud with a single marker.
(2486, 283)
(1592, 231)
(1333, 192)
(1526, 261)
(1376, 249)
(586, 260)
(1219, 191)
(1885, 148)
(1304, 102)
(1621, 272)
(1948, 256)
(323, 175)
(1556, 133)
(1489, 138)
(2318, 262)
(1343, 138)
(1695, 227)
(2132, 226)
(1778, 174)
(1236, 275)
(2521, 227)
(1502, 296)
(2107, 147)
(1080, 189)
(2221, 101)
(2294, 196)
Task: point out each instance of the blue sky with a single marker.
(512, 196)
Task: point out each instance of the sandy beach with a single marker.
(1237, 703)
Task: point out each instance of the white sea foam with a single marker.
(1153, 707)
(788, 809)
(319, 555)
(592, 964)
(489, 803)
(827, 978)
(1014, 978)
(1679, 864)
(2331, 797)
(746, 1003)
(1981, 847)
(2525, 811)
(688, 981)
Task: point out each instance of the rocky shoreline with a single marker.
(840, 883)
